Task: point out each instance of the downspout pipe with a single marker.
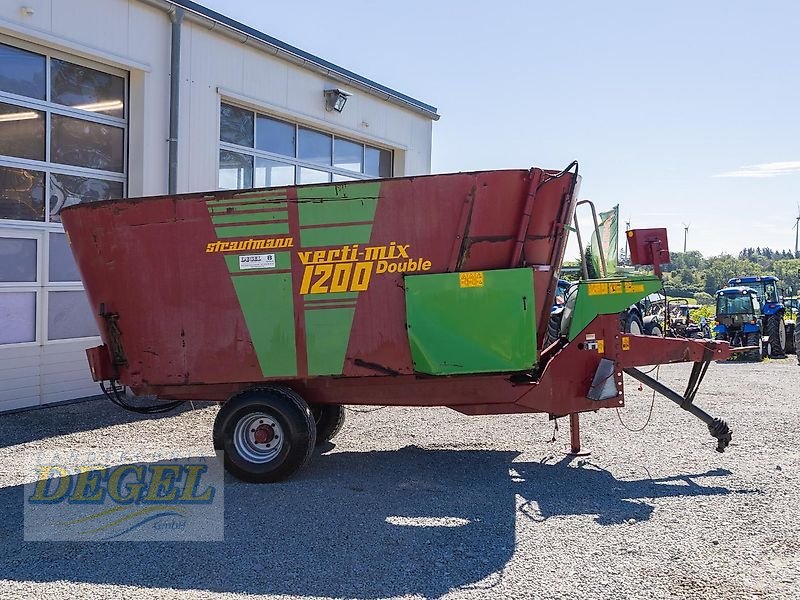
(176, 16)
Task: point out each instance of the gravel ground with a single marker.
(419, 503)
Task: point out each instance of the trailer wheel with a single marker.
(329, 419)
(266, 434)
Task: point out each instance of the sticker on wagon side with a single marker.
(256, 261)
(470, 279)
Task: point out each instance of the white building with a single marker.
(87, 112)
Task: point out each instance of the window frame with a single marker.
(41, 231)
(295, 161)
(27, 286)
(47, 166)
(41, 287)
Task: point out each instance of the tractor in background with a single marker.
(790, 302)
(791, 316)
(773, 320)
(740, 322)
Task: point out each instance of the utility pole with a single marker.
(685, 236)
(625, 257)
(797, 232)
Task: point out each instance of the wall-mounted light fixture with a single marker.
(335, 99)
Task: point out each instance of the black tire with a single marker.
(776, 330)
(633, 324)
(754, 339)
(271, 414)
(553, 328)
(329, 419)
(797, 342)
(791, 346)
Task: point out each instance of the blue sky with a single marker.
(680, 111)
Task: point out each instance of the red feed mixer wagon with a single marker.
(286, 303)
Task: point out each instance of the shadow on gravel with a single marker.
(50, 421)
(362, 525)
(556, 490)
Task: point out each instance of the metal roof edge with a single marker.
(335, 71)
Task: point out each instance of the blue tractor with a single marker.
(773, 319)
(740, 320)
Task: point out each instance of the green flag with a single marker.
(609, 225)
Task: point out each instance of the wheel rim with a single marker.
(635, 329)
(258, 437)
(656, 331)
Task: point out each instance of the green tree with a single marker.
(704, 298)
(788, 271)
(721, 268)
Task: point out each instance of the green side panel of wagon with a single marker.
(608, 297)
(481, 322)
(265, 294)
(333, 215)
(329, 216)
(266, 302)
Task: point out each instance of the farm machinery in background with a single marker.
(793, 309)
(740, 321)
(673, 317)
(777, 323)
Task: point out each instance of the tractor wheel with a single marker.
(329, 419)
(776, 330)
(797, 342)
(633, 324)
(754, 339)
(791, 346)
(266, 434)
(553, 328)
(656, 331)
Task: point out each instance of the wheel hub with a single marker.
(258, 437)
(263, 434)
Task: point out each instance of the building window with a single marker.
(63, 140)
(260, 151)
(38, 277)
(63, 134)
